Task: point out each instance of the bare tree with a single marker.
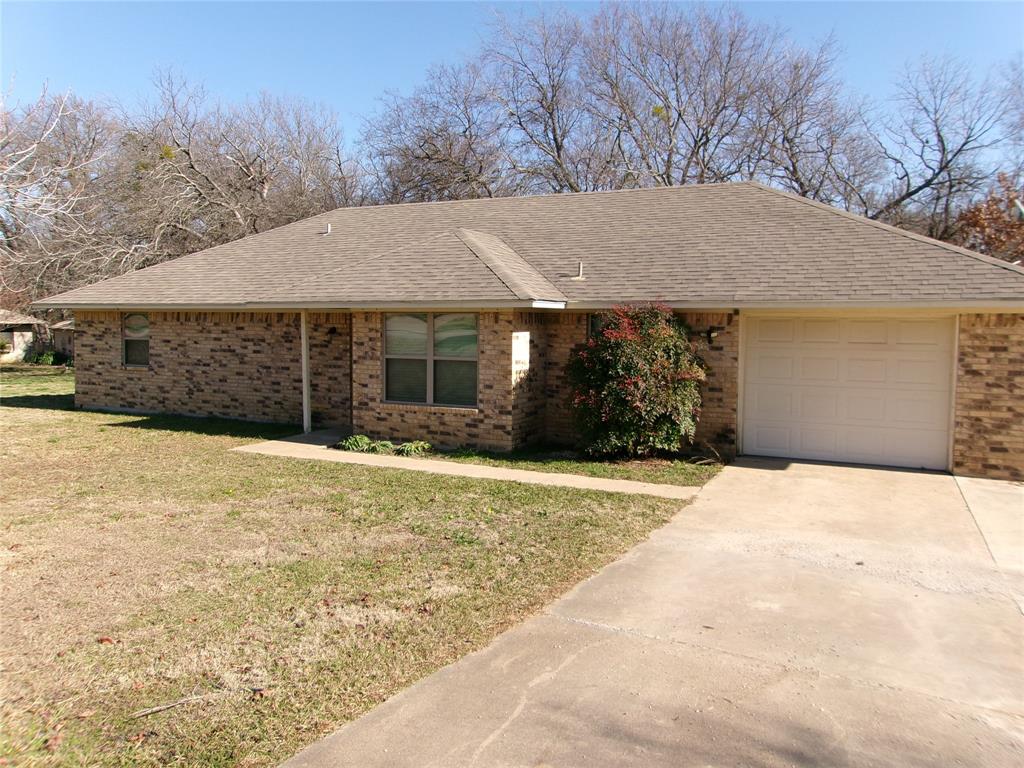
(88, 193)
(555, 142)
(678, 88)
(1013, 121)
(814, 139)
(937, 146)
(443, 142)
(52, 217)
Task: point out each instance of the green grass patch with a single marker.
(670, 471)
(145, 563)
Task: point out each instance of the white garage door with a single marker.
(867, 390)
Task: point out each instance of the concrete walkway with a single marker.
(314, 446)
(998, 509)
(793, 614)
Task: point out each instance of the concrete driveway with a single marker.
(793, 614)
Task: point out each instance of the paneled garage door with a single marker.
(867, 390)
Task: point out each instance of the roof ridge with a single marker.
(984, 259)
(501, 270)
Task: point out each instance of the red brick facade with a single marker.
(988, 439)
(248, 366)
(240, 365)
(488, 426)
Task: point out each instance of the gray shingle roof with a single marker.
(10, 319)
(723, 245)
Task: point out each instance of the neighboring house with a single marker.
(63, 337)
(18, 334)
(831, 336)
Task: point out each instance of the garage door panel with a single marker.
(861, 444)
(849, 389)
(866, 407)
(924, 409)
(774, 403)
(867, 370)
(774, 367)
(925, 372)
(819, 441)
(921, 332)
(819, 368)
(772, 440)
(819, 405)
(820, 331)
(776, 330)
(867, 332)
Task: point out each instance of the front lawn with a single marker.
(145, 564)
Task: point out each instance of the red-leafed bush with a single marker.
(636, 383)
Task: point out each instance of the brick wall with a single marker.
(330, 369)
(720, 393)
(489, 426)
(565, 332)
(529, 350)
(241, 365)
(988, 438)
(525, 399)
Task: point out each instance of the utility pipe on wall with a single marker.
(307, 415)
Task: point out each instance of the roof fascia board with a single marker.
(1007, 305)
(298, 306)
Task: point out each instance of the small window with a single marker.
(136, 339)
(595, 323)
(431, 359)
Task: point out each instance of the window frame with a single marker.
(125, 340)
(594, 324)
(430, 358)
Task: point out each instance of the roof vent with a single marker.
(579, 273)
(328, 228)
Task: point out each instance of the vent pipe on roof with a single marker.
(328, 229)
(579, 273)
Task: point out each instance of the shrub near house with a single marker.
(636, 383)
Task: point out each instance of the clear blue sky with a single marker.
(347, 54)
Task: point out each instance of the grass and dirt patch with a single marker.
(143, 563)
(666, 470)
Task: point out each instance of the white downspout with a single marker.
(307, 416)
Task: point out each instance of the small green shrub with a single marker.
(363, 444)
(636, 384)
(413, 448)
(39, 358)
(359, 443)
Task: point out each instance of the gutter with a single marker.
(332, 306)
(990, 305)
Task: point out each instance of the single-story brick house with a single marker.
(18, 335)
(63, 335)
(831, 336)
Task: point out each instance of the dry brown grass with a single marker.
(142, 562)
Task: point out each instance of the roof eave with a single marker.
(960, 305)
(302, 305)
